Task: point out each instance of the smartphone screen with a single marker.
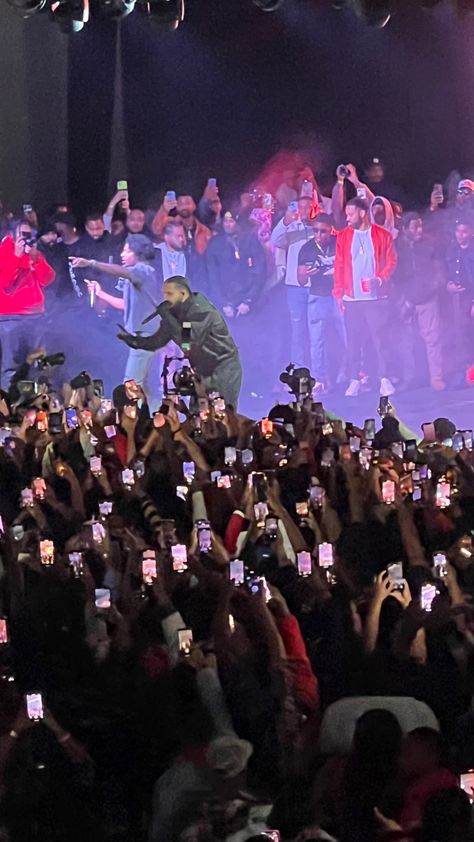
(304, 563)
(128, 477)
(365, 457)
(388, 491)
(237, 572)
(325, 555)
(149, 566)
(95, 464)
(384, 406)
(428, 593)
(458, 442)
(110, 431)
(42, 421)
(354, 444)
(34, 706)
(443, 494)
(440, 565)
(327, 458)
(204, 536)
(466, 781)
(47, 553)
(417, 494)
(122, 185)
(105, 508)
(266, 427)
(467, 435)
(395, 572)
(260, 511)
(247, 456)
(369, 429)
(171, 196)
(230, 456)
(271, 526)
(316, 496)
(215, 475)
(3, 631)
(102, 598)
(179, 555)
(98, 533)
(397, 449)
(429, 434)
(39, 488)
(75, 560)
(224, 481)
(185, 641)
(27, 499)
(302, 509)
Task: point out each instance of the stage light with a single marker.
(375, 12)
(268, 5)
(164, 14)
(27, 8)
(70, 15)
(114, 9)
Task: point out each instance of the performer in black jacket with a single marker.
(213, 353)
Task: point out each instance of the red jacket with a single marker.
(384, 254)
(305, 685)
(22, 280)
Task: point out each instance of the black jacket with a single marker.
(236, 268)
(419, 274)
(211, 342)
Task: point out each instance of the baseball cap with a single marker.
(466, 184)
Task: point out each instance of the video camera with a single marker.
(299, 380)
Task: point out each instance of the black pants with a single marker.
(367, 319)
(226, 379)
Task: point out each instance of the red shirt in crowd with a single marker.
(22, 280)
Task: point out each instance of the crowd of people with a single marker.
(356, 284)
(214, 627)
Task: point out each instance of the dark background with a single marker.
(233, 85)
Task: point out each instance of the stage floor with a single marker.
(413, 407)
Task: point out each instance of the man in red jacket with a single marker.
(365, 260)
(24, 273)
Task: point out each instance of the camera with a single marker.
(344, 171)
(299, 381)
(81, 381)
(51, 360)
(184, 381)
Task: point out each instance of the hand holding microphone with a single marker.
(94, 290)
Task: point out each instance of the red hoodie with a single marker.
(22, 280)
(384, 254)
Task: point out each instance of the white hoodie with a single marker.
(389, 223)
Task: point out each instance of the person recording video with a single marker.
(213, 352)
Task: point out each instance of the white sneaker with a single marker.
(386, 387)
(352, 390)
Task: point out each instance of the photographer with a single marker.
(24, 274)
(213, 352)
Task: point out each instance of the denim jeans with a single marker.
(19, 335)
(297, 300)
(323, 319)
(138, 368)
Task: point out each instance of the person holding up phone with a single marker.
(141, 292)
(181, 208)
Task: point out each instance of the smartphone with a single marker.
(27, 500)
(17, 532)
(466, 782)
(429, 434)
(224, 481)
(325, 555)
(98, 533)
(458, 442)
(345, 453)
(411, 450)
(182, 492)
(27, 388)
(369, 429)
(443, 494)
(215, 475)
(55, 422)
(388, 491)
(46, 552)
(271, 526)
(395, 572)
(219, 406)
(384, 406)
(72, 421)
(247, 456)
(42, 421)
(354, 444)
(260, 511)
(128, 477)
(30, 416)
(327, 458)
(149, 566)
(34, 706)
(302, 509)
(467, 435)
(179, 554)
(230, 456)
(39, 488)
(397, 449)
(293, 207)
(3, 631)
(365, 457)
(122, 185)
(266, 427)
(204, 536)
(110, 431)
(361, 193)
(417, 494)
(105, 508)
(438, 189)
(212, 182)
(106, 406)
(98, 386)
(304, 563)
(237, 572)
(189, 471)
(171, 196)
(316, 496)
(102, 598)
(95, 464)
(75, 560)
(428, 593)
(440, 565)
(185, 641)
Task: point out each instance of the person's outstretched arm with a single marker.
(108, 268)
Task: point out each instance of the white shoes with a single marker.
(386, 387)
(353, 389)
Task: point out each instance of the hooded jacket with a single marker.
(22, 280)
(211, 342)
(389, 223)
